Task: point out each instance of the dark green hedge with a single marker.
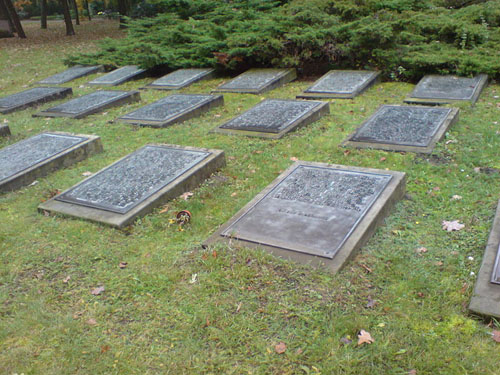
(403, 38)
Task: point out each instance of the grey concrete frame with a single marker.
(4, 130)
(185, 182)
(208, 75)
(97, 69)
(485, 300)
(287, 75)
(195, 111)
(133, 96)
(308, 118)
(483, 82)
(450, 120)
(139, 74)
(63, 159)
(393, 192)
(375, 78)
(64, 92)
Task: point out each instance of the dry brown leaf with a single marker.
(164, 209)
(456, 197)
(452, 225)
(186, 195)
(97, 291)
(412, 372)
(280, 348)
(383, 158)
(364, 337)
(105, 348)
(421, 250)
(66, 279)
(91, 322)
(496, 336)
(123, 265)
(86, 174)
(293, 158)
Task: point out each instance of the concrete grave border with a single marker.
(285, 76)
(208, 74)
(189, 180)
(62, 93)
(91, 70)
(373, 218)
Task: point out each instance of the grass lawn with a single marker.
(153, 319)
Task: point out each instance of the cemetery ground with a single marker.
(81, 298)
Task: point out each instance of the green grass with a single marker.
(151, 319)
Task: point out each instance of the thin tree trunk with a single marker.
(15, 19)
(123, 10)
(75, 8)
(67, 18)
(5, 12)
(43, 14)
(86, 4)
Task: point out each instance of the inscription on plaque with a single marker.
(130, 181)
(272, 115)
(118, 76)
(70, 74)
(181, 78)
(258, 80)
(313, 210)
(403, 125)
(32, 97)
(341, 83)
(29, 152)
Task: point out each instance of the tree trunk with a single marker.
(4, 15)
(15, 18)
(86, 4)
(123, 10)
(43, 14)
(75, 8)
(67, 18)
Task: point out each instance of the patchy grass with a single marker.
(151, 319)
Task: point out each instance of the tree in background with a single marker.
(13, 17)
(67, 18)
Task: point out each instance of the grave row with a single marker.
(313, 212)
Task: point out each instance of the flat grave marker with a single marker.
(315, 213)
(71, 74)
(434, 89)
(32, 97)
(90, 103)
(23, 162)
(118, 76)
(4, 130)
(341, 84)
(403, 128)
(273, 118)
(181, 78)
(486, 297)
(134, 185)
(172, 109)
(258, 81)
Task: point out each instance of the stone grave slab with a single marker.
(273, 118)
(341, 84)
(134, 185)
(315, 213)
(91, 103)
(23, 162)
(434, 89)
(486, 297)
(71, 74)
(32, 97)
(4, 130)
(172, 109)
(258, 81)
(181, 78)
(403, 128)
(118, 76)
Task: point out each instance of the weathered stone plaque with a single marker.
(257, 81)
(4, 130)
(403, 128)
(118, 76)
(27, 160)
(341, 84)
(91, 103)
(71, 74)
(433, 89)
(486, 297)
(273, 118)
(172, 109)
(316, 212)
(181, 78)
(32, 97)
(137, 183)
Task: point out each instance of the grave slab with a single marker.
(273, 118)
(23, 162)
(136, 184)
(172, 109)
(341, 84)
(435, 89)
(486, 297)
(181, 78)
(4, 130)
(90, 103)
(258, 81)
(118, 76)
(71, 74)
(32, 97)
(315, 213)
(403, 128)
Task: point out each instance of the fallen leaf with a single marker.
(123, 265)
(496, 336)
(86, 174)
(164, 209)
(452, 225)
(238, 308)
(77, 314)
(105, 348)
(347, 152)
(456, 197)
(186, 195)
(91, 322)
(477, 169)
(438, 263)
(383, 158)
(280, 348)
(421, 250)
(66, 279)
(97, 291)
(234, 194)
(364, 337)
(412, 372)
(194, 277)
(293, 158)
(371, 303)
(299, 351)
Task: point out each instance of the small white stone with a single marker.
(472, 273)
(470, 258)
